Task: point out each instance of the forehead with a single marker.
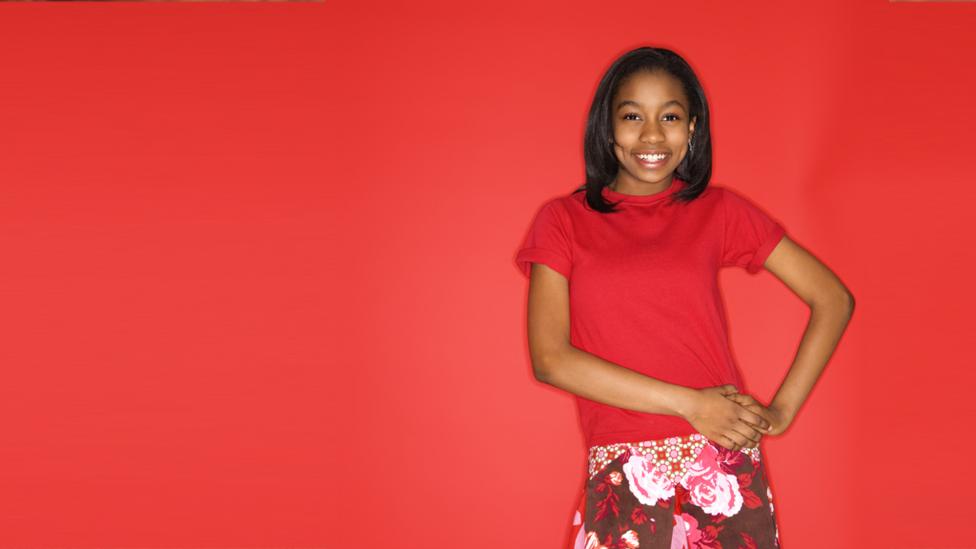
(650, 90)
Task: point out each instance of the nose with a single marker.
(652, 133)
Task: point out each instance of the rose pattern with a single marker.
(693, 536)
(647, 481)
(710, 488)
(720, 501)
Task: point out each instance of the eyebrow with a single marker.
(638, 105)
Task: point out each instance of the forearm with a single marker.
(823, 332)
(589, 376)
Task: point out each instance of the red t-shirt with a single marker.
(643, 290)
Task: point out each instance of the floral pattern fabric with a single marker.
(675, 493)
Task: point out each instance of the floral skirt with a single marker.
(674, 493)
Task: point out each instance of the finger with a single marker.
(754, 414)
(755, 417)
(727, 443)
(729, 389)
(747, 399)
(735, 397)
(736, 438)
(748, 432)
(754, 442)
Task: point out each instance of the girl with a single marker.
(624, 311)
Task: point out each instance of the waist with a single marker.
(669, 456)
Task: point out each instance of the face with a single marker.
(650, 116)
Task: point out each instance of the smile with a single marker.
(652, 160)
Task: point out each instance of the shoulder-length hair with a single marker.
(601, 162)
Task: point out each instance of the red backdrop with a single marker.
(257, 272)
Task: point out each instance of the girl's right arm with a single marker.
(556, 362)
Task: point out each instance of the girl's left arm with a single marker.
(831, 306)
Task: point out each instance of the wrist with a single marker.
(684, 401)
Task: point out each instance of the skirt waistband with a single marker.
(670, 456)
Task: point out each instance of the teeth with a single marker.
(651, 157)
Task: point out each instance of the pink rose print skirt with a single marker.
(675, 493)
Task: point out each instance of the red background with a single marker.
(257, 279)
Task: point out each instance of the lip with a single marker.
(652, 165)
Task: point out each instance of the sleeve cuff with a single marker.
(765, 249)
(528, 256)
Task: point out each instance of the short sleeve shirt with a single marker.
(643, 289)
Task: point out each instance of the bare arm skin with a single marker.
(556, 362)
(831, 307)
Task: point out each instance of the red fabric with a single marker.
(644, 293)
(679, 492)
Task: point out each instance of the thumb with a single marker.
(729, 390)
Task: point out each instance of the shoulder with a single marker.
(714, 192)
(556, 213)
(708, 200)
(729, 199)
(566, 206)
(735, 202)
(733, 196)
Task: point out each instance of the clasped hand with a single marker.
(734, 420)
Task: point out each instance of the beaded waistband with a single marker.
(670, 455)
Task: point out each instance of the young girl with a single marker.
(624, 311)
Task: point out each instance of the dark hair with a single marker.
(601, 163)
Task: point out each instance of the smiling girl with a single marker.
(625, 312)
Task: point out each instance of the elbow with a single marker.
(541, 369)
(827, 292)
(540, 374)
(841, 300)
(543, 365)
(847, 300)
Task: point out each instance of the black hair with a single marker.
(601, 163)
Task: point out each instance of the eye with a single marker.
(676, 117)
(630, 114)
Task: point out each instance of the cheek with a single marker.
(617, 154)
(626, 131)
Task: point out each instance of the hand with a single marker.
(723, 420)
(778, 419)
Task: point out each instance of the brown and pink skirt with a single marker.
(675, 493)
